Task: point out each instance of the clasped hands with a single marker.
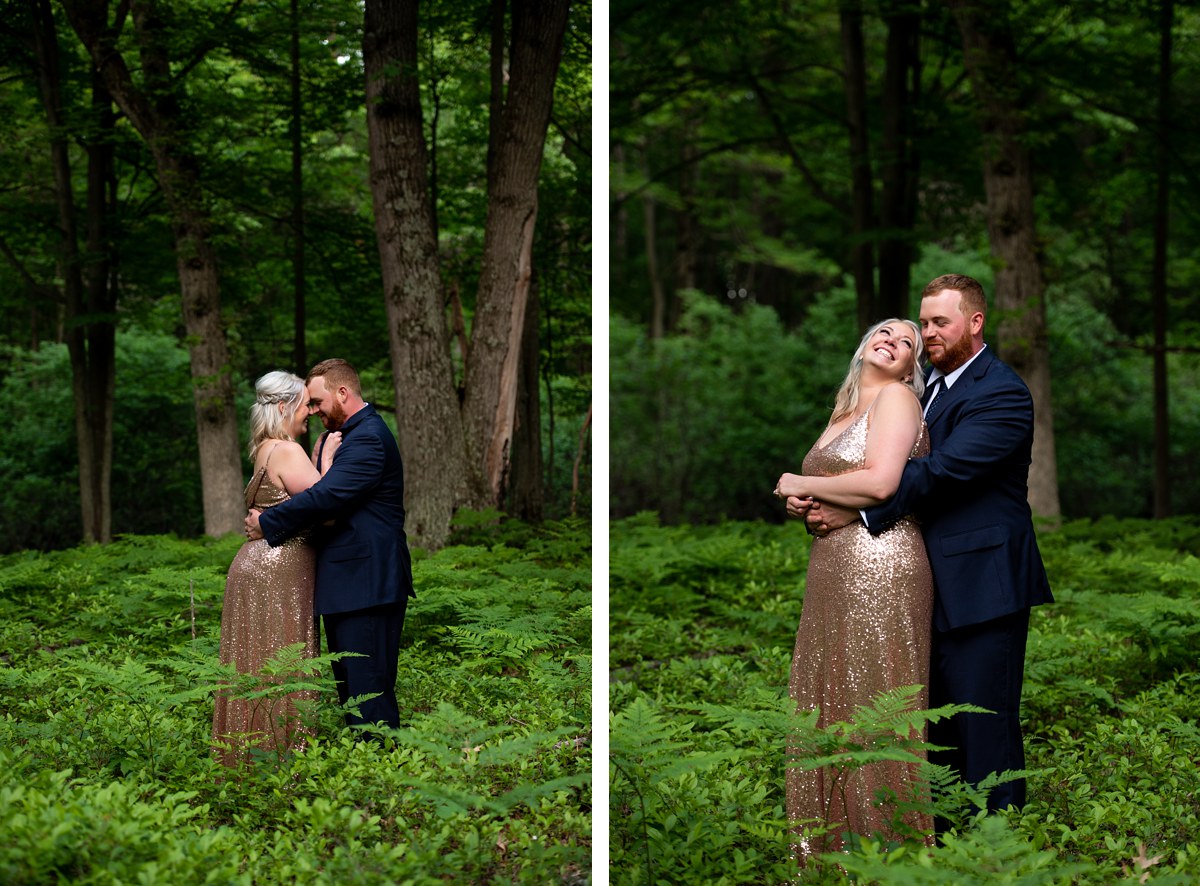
(253, 530)
(819, 519)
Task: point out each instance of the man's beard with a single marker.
(953, 355)
(335, 417)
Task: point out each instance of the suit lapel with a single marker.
(961, 388)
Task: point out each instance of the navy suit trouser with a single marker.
(375, 633)
(983, 665)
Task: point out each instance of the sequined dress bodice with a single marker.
(848, 450)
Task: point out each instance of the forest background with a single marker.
(784, 174)
(197, 193)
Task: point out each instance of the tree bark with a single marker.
(456, 456)
(862, 217)
(992, 64)
(101, 284)
(527, 498)
(156, 114)
(440, 476)
(490, 407)
(579, 455)
(1162, 205)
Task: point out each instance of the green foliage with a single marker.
(705, 421)
(156, 474)
(702, 620)
(110, 662)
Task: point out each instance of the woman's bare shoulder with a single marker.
(899, 392)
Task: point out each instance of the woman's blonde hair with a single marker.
(266, 418)
(847, 395)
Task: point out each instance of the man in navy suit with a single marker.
(364, 573)
(971, 497)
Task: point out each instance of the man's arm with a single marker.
(991, 427)
(348, 482)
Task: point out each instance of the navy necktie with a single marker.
(938, 388)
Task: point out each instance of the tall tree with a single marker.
(296, 134)
(534, 51)
(89, 290)
(899, 166)
(1158, 282)
(457, 455)
(862, 186)
(991, 59)
(155, 109)
(438, 470)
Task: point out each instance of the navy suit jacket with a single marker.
(362, 558)
(970, 495)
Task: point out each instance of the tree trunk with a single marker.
(1162, 205)
(992, 64)
(579, 456)
(618, 241)
(898, 165)
(862, 252)
(299, 283)
(90, 324)
(658, 298)
(527, 497)
(439, 474)
(159, 119)
(687, 229)
(101, 283)
(490, 406)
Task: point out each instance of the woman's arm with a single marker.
(292, 468)
(894, 425)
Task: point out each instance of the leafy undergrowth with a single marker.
(702, 625)
(106, 678)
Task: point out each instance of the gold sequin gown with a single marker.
(268, 605)
(864, 628)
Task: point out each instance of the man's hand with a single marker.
(798, 507)
(253, 530)
(823, 519)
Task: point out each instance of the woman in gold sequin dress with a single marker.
(868, 599)
(269, 591)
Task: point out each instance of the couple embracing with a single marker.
(325, 536)
(925, 565)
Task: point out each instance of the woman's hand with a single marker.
(333, 441)
(791, 486)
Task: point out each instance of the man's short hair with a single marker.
(973, 298)
(337, 373)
